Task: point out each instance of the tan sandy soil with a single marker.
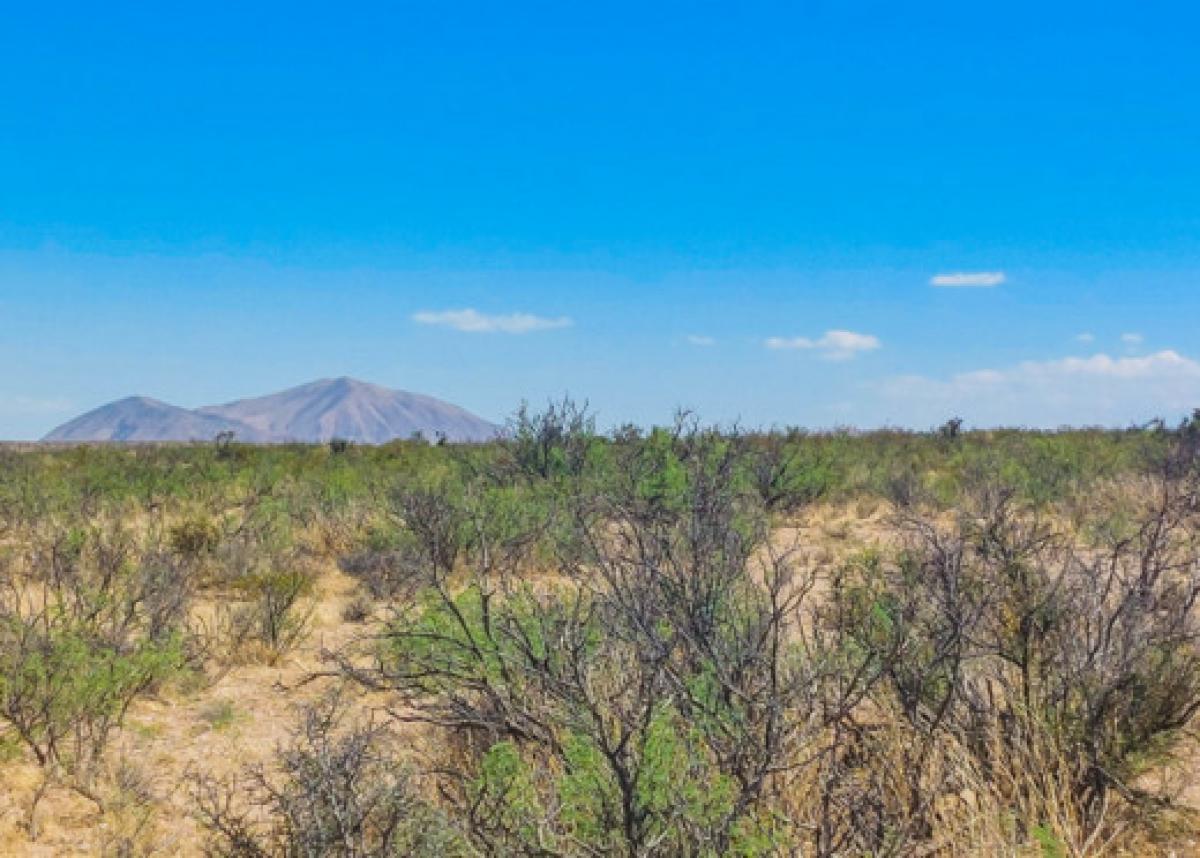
(238, 720)
(241, 718)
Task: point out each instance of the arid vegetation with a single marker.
(681, 642)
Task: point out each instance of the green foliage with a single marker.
(553, 444)
(560, 447)
(618, 654)
(680, 795)
(1050, 844)
(637, 704)
(64, 691)
(100, 621)
(274, 614)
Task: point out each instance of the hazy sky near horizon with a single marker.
(808, 213)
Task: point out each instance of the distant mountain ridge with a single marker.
(310, 413)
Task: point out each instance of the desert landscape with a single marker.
(877, 534)
(685, 641)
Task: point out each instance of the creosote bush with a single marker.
(337, 789)
(274, 615)
(92, 623)
(1061, 670)
(679, 682)
(629, 644)
(647, 703)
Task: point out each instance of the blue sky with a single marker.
(754, 210)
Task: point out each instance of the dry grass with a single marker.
(246, 713)
(167, 737)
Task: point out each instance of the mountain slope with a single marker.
(140, 418)
(315, 412)
(351, 409)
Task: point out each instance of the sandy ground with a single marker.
(241, 719)
(238, 720)
(245, 715)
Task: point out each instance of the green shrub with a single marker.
(274, 615)
(193, 537)
(104, 627)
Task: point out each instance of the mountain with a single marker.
(315, 412)
(139, 418)
(354, 410)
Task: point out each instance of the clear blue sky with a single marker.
(741, 208)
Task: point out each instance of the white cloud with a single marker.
(1085, 337)
(1132, 339)
(1075, 390)
(701, 340)
(833, 345)
(968, 279)
(474, 322)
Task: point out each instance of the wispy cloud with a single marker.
(473, 322)
(833, 345)
(1132, 339)
(1097, 389)
(968, 279)
(701, 340)
(1085, 337)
